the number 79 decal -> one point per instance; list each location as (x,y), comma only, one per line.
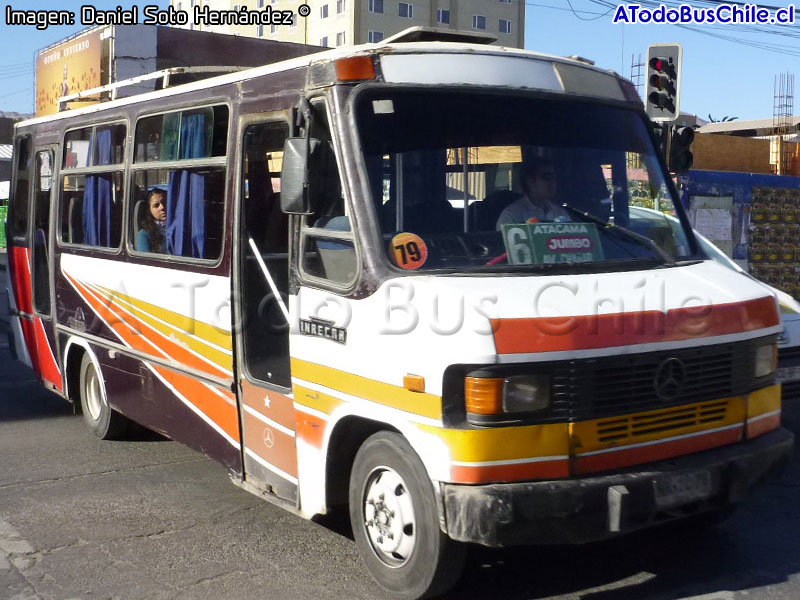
(408,251)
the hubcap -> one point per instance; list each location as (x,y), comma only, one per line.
(389,516)
(94,395)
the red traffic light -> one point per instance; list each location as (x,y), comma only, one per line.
(662,65)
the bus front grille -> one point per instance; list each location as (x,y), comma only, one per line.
(631,427)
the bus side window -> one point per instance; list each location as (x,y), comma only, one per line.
(265,242)
(90,203)
(179,209)
(18,212)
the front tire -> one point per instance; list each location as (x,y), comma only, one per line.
(98,415)
(395,521)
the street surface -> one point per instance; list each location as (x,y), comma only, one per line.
(149,519)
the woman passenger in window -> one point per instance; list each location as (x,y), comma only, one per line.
(153,224)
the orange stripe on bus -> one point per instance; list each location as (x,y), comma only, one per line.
(626,457)
(762,425)
(550,334)
(210,404)
(169,347)
(273,405)
(270,444)
(310,429)
(551,469)
(125,331)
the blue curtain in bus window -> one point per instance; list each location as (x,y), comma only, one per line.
(97,193)
(186,219)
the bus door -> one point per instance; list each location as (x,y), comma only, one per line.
(41,267)
(29,260)
(265,401)
(19,269)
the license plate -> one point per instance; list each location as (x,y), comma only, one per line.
(789,373)
(676,490)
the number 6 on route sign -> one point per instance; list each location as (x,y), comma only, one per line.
(551,243)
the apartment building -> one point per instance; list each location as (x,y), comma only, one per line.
(334,23)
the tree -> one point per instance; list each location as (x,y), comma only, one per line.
(722,120)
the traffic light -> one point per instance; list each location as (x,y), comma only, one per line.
(662,95)
(680,153)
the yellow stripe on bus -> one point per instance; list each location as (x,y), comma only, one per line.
(316,400)
(395,396)
(176,328)
(636,428)
(204,331)
(504,443)
(216,356)
(765,400)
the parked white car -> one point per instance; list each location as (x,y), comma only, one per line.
(789,340)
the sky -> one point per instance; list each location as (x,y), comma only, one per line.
(728,70)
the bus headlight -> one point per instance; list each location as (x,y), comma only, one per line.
(766,360)
(497,396)
(526,393)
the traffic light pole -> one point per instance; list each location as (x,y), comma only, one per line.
(662,104)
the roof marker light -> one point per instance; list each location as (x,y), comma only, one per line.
(355,68)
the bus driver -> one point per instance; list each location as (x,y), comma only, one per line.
(540,184)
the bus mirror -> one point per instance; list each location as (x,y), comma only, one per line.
(301,175)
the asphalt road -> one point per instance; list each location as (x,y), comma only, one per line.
(150,519)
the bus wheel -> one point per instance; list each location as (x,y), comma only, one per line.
(103,422)
(395,521)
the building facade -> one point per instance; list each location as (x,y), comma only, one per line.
(334,23)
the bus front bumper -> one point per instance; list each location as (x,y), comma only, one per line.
(588,509)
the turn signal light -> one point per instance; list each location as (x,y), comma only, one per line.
(414,383)
(483,395)
(355,68)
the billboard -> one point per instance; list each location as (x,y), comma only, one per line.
(87,60)
(66,68)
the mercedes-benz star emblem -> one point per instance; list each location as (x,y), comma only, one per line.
(670,379)
(269,439)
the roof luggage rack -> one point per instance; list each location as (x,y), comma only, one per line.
(93,94)
(437,34)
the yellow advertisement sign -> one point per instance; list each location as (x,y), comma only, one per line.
(70,67)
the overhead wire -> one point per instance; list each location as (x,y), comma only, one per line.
(14,93)
(595,18)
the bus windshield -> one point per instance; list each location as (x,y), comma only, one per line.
(465,180)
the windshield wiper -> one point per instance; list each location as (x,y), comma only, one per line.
(630,234)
